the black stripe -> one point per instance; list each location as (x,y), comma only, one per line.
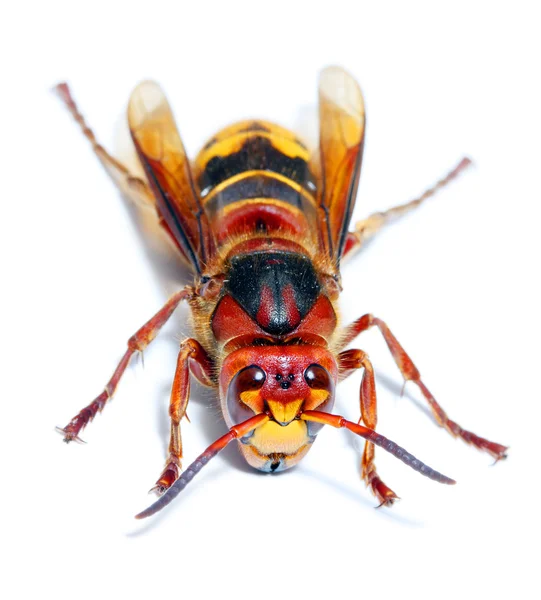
(256,154)
(255,186)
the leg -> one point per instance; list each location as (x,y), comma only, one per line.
(137,343)
(411,373)
(134,187)
(355,359)
(366,228)
(192,357)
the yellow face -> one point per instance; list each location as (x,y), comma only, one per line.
(274,447)
(283,383)
(273,438)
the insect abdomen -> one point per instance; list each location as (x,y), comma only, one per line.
(255,177)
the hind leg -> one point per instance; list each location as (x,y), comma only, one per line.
(134,187)
(368,227)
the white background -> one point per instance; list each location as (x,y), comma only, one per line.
(457,282)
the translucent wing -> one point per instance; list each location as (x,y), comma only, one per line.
(167,168)
(341,138)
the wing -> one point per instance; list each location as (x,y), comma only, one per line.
(341,140)
(166,165)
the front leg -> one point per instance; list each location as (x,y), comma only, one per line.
(191,357)
(356,359)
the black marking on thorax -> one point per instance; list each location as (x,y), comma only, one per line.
(277,289)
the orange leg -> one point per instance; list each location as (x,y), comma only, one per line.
(366,228)
(137,343)
(411,373)
(191,357)
(356,359)
(237,431)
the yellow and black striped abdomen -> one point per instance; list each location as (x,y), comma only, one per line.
(255,176)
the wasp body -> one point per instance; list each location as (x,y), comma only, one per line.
(264,224)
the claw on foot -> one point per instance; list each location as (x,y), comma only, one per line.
(170,474)
(501,454)
(497,451)
(383,493)
(388,502)
(69,436)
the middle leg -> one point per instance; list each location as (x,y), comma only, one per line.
(411,373)
(137,343)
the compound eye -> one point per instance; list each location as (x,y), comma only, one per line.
(318,378)
(322,395)
(243,399)
(250,378)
